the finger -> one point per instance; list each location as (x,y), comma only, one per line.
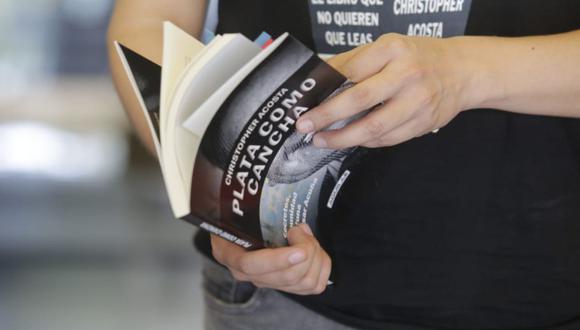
(282,279)
(371,60)
(308,283)
(358,98)
(285,278)
(371,127)
(324,275)
(297,236)
(223,250)
(268,260)
(271,260)
(301,234)
(339,60)
(255,262)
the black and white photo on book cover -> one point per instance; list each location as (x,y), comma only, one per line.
(254,175)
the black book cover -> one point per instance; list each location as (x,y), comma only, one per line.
(254,175)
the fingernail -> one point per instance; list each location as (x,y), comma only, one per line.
(307,229)
(296,257)
(319,142)
(305,126)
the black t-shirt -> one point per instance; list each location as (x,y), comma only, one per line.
(477,226)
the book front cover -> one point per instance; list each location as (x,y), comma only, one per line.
(255,176)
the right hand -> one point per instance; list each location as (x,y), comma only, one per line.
(301,268)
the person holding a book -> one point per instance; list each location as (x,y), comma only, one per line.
(463,214)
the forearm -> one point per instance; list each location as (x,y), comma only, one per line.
(138,25)
(532,75)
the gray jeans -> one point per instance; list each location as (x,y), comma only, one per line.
(232,305)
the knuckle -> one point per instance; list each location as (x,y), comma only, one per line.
(390,36)
(238,276)
(399,44)
(314,243)
(310,283)
(361,96)
(384,38)
(428,98)
(312,248)
(374,127)
(414,72)
(383,43)
(320,288)
(245,266)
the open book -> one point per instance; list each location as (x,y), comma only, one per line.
(223,116)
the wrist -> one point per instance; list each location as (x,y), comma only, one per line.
(471,65)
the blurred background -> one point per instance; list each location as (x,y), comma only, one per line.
(87,240)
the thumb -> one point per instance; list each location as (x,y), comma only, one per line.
(300,234)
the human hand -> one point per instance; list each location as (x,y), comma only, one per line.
(301,268)
(417,80)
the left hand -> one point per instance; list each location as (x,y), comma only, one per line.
(301,268)
(419,80)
